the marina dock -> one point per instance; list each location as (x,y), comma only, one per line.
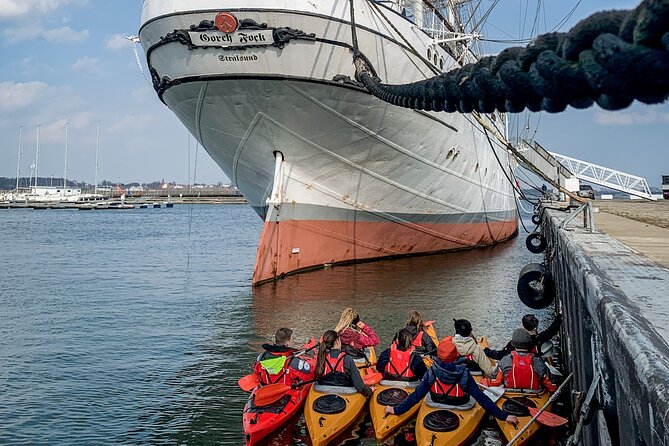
(616,333)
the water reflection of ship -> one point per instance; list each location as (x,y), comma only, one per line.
(442,287)
(337,175)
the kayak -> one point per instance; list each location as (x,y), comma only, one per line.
(390,393)
(260,421)
(366,365)
(330,410)
(432,333)
(530,399)
(440,424)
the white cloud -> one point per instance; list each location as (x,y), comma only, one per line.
(54,130)
(63,34)
(133,123)
(118,42)
(19,95)
(87,65)
(10,9)
(630,118)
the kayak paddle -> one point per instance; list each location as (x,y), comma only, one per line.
(546,418)
(371,379)
(248,382)
(270,393)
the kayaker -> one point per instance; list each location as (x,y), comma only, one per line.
(335,368)
(450,383)
(354,334)
(421,340)
(522,369)
(531,324)
(471,354)
(277,363)
(401,362)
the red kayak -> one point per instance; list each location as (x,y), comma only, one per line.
(260,421)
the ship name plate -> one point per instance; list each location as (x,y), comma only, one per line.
(236,39)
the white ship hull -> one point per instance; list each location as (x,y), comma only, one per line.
(360,179)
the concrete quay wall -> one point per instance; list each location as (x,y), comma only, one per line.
(615,304)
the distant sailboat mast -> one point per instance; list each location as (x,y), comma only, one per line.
(97,151)
(37,158)
(18,163)
(67,124)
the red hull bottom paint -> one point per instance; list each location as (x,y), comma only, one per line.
(291,246)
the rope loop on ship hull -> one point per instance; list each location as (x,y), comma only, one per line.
(610,58)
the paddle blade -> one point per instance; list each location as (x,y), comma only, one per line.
(371,379)
(548,418)
(270,393)
(248,382)
(431,332)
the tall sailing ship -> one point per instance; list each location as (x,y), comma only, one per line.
(268,88)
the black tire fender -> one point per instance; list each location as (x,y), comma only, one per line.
(536,287)
(536,219)
(535,242)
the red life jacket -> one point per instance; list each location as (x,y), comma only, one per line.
(272,378)
(522,374)
(334,364)
(418,340)
(451,390)
(399,363)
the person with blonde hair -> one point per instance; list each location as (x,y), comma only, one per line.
(354,334)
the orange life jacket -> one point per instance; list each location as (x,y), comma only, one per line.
(522,374)
(399,364)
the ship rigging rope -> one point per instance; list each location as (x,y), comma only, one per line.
(610,58)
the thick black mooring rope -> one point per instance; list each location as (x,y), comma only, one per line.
(610,58)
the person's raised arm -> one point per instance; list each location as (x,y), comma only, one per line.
(366,338)
(551,331)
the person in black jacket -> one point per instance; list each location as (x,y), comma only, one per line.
(401,362)
(531,324)
(421,340)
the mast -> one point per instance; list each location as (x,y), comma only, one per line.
(18,163)
(37,158)
(67,124)
(97,151)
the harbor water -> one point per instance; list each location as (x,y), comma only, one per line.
(133,327)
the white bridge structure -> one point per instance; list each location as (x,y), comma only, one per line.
(557,169)
(603,176)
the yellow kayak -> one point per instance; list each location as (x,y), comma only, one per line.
(535,400)
(390,393)
(432,333)
(329,410)
(441,425)
(363,365)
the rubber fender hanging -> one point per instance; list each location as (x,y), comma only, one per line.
(536,219)
(536,243)
(536,287)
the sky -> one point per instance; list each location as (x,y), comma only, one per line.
(67,61)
